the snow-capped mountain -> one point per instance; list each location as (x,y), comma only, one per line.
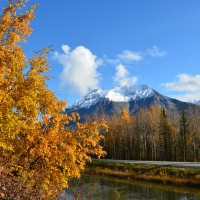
(130,97)
(125,93)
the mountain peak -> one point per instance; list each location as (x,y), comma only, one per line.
(117,94)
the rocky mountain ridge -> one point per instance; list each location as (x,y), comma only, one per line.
(130,97)
(117,94)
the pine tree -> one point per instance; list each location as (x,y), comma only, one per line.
(184,131)
(165,137)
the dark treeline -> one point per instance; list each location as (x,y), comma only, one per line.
(152,135)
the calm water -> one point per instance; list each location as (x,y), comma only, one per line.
(96,187)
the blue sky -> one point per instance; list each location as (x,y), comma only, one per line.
(102,44)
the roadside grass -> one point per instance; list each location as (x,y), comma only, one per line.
(150,173)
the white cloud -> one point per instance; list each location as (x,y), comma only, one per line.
(185,83)
(155,52)
(128,81)
(113,61)
(121,72)
(79,69)
(130,56)
(122,76)
(188,97)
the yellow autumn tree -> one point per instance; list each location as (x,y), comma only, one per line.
(126,133)
(36,144)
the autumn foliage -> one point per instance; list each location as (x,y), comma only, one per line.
(154,134)
(36,145)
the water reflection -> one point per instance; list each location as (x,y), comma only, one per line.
(96,187)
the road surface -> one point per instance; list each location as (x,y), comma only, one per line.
(160,163)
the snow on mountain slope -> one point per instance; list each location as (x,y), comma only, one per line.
(118,94)
(89,99)
(129,92)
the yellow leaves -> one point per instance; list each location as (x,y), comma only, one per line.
(34,137)
(14,27)
(125,117)
(14,38)
(44,150)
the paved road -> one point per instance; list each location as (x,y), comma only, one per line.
(161,163)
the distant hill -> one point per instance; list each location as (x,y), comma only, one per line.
(130,97)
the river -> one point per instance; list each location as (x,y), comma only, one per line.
(95,187)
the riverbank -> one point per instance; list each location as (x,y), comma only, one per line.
(147,172)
